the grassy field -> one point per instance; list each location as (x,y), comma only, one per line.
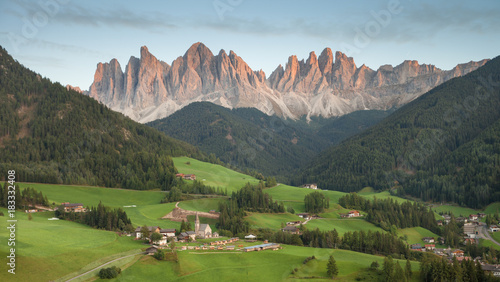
(270,220)
(415,235)
(90,196)
(342,225)
(47,250)
(203,205)
(212,174)
(291,193)
(253,266)
(381,195)
(455,210)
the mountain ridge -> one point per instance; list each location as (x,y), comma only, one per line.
(443,146)
(325,86)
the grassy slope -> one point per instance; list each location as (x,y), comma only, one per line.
(253,266)
(90,196)
(148,209)
(415,235)
(47,250)
(203,205)
(270,220)
(342,225)
(214,175)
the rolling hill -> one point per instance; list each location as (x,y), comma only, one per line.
(249,139)
(444,146)
(51,134)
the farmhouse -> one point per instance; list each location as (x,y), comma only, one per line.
(447,218)
(494,228)
(473,217)
(293,222)
(291,229)
(416,247)
(202,230)
(303,215)
(152,229)
(187,235)
(490,268)
(167,232)
(68,207)
(354,214)
(457,253)
(152,250)
(430,247)
(189,176)
(310,186)
(428,239)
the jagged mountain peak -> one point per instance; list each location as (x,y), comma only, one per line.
(328,85)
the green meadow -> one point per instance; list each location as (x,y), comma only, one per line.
(47,250)
(212,174)
(415,235)
(90,196)
(252,266)
(202,205)
(270,220)
(455,210)
(342,225)
(290,193)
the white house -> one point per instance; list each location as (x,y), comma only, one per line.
(494,228)
(167,233)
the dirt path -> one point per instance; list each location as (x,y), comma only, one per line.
(101,266)
(180,214)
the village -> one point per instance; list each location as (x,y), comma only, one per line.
(203,238)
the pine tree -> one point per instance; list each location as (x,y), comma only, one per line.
(332,269)
(388,268)
(408,272)
(399,274)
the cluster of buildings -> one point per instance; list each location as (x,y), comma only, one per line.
(468,219)
(201,230)
(76,207)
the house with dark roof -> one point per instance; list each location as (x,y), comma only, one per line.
(187,235)
(291,229)
(167,232)
(152,250)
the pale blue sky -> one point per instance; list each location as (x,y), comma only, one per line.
(65,39)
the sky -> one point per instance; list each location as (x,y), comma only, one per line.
(64,40)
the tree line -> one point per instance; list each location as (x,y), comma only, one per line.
(252,198)
(387,212)
(28,197)
(100,217)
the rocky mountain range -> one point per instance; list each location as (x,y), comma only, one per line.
(326,86)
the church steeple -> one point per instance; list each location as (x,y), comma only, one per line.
(197,224)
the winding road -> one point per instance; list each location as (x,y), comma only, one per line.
(486,235)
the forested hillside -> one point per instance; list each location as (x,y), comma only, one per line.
(249,139)
(245,138)
(53,135)
(445,146)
